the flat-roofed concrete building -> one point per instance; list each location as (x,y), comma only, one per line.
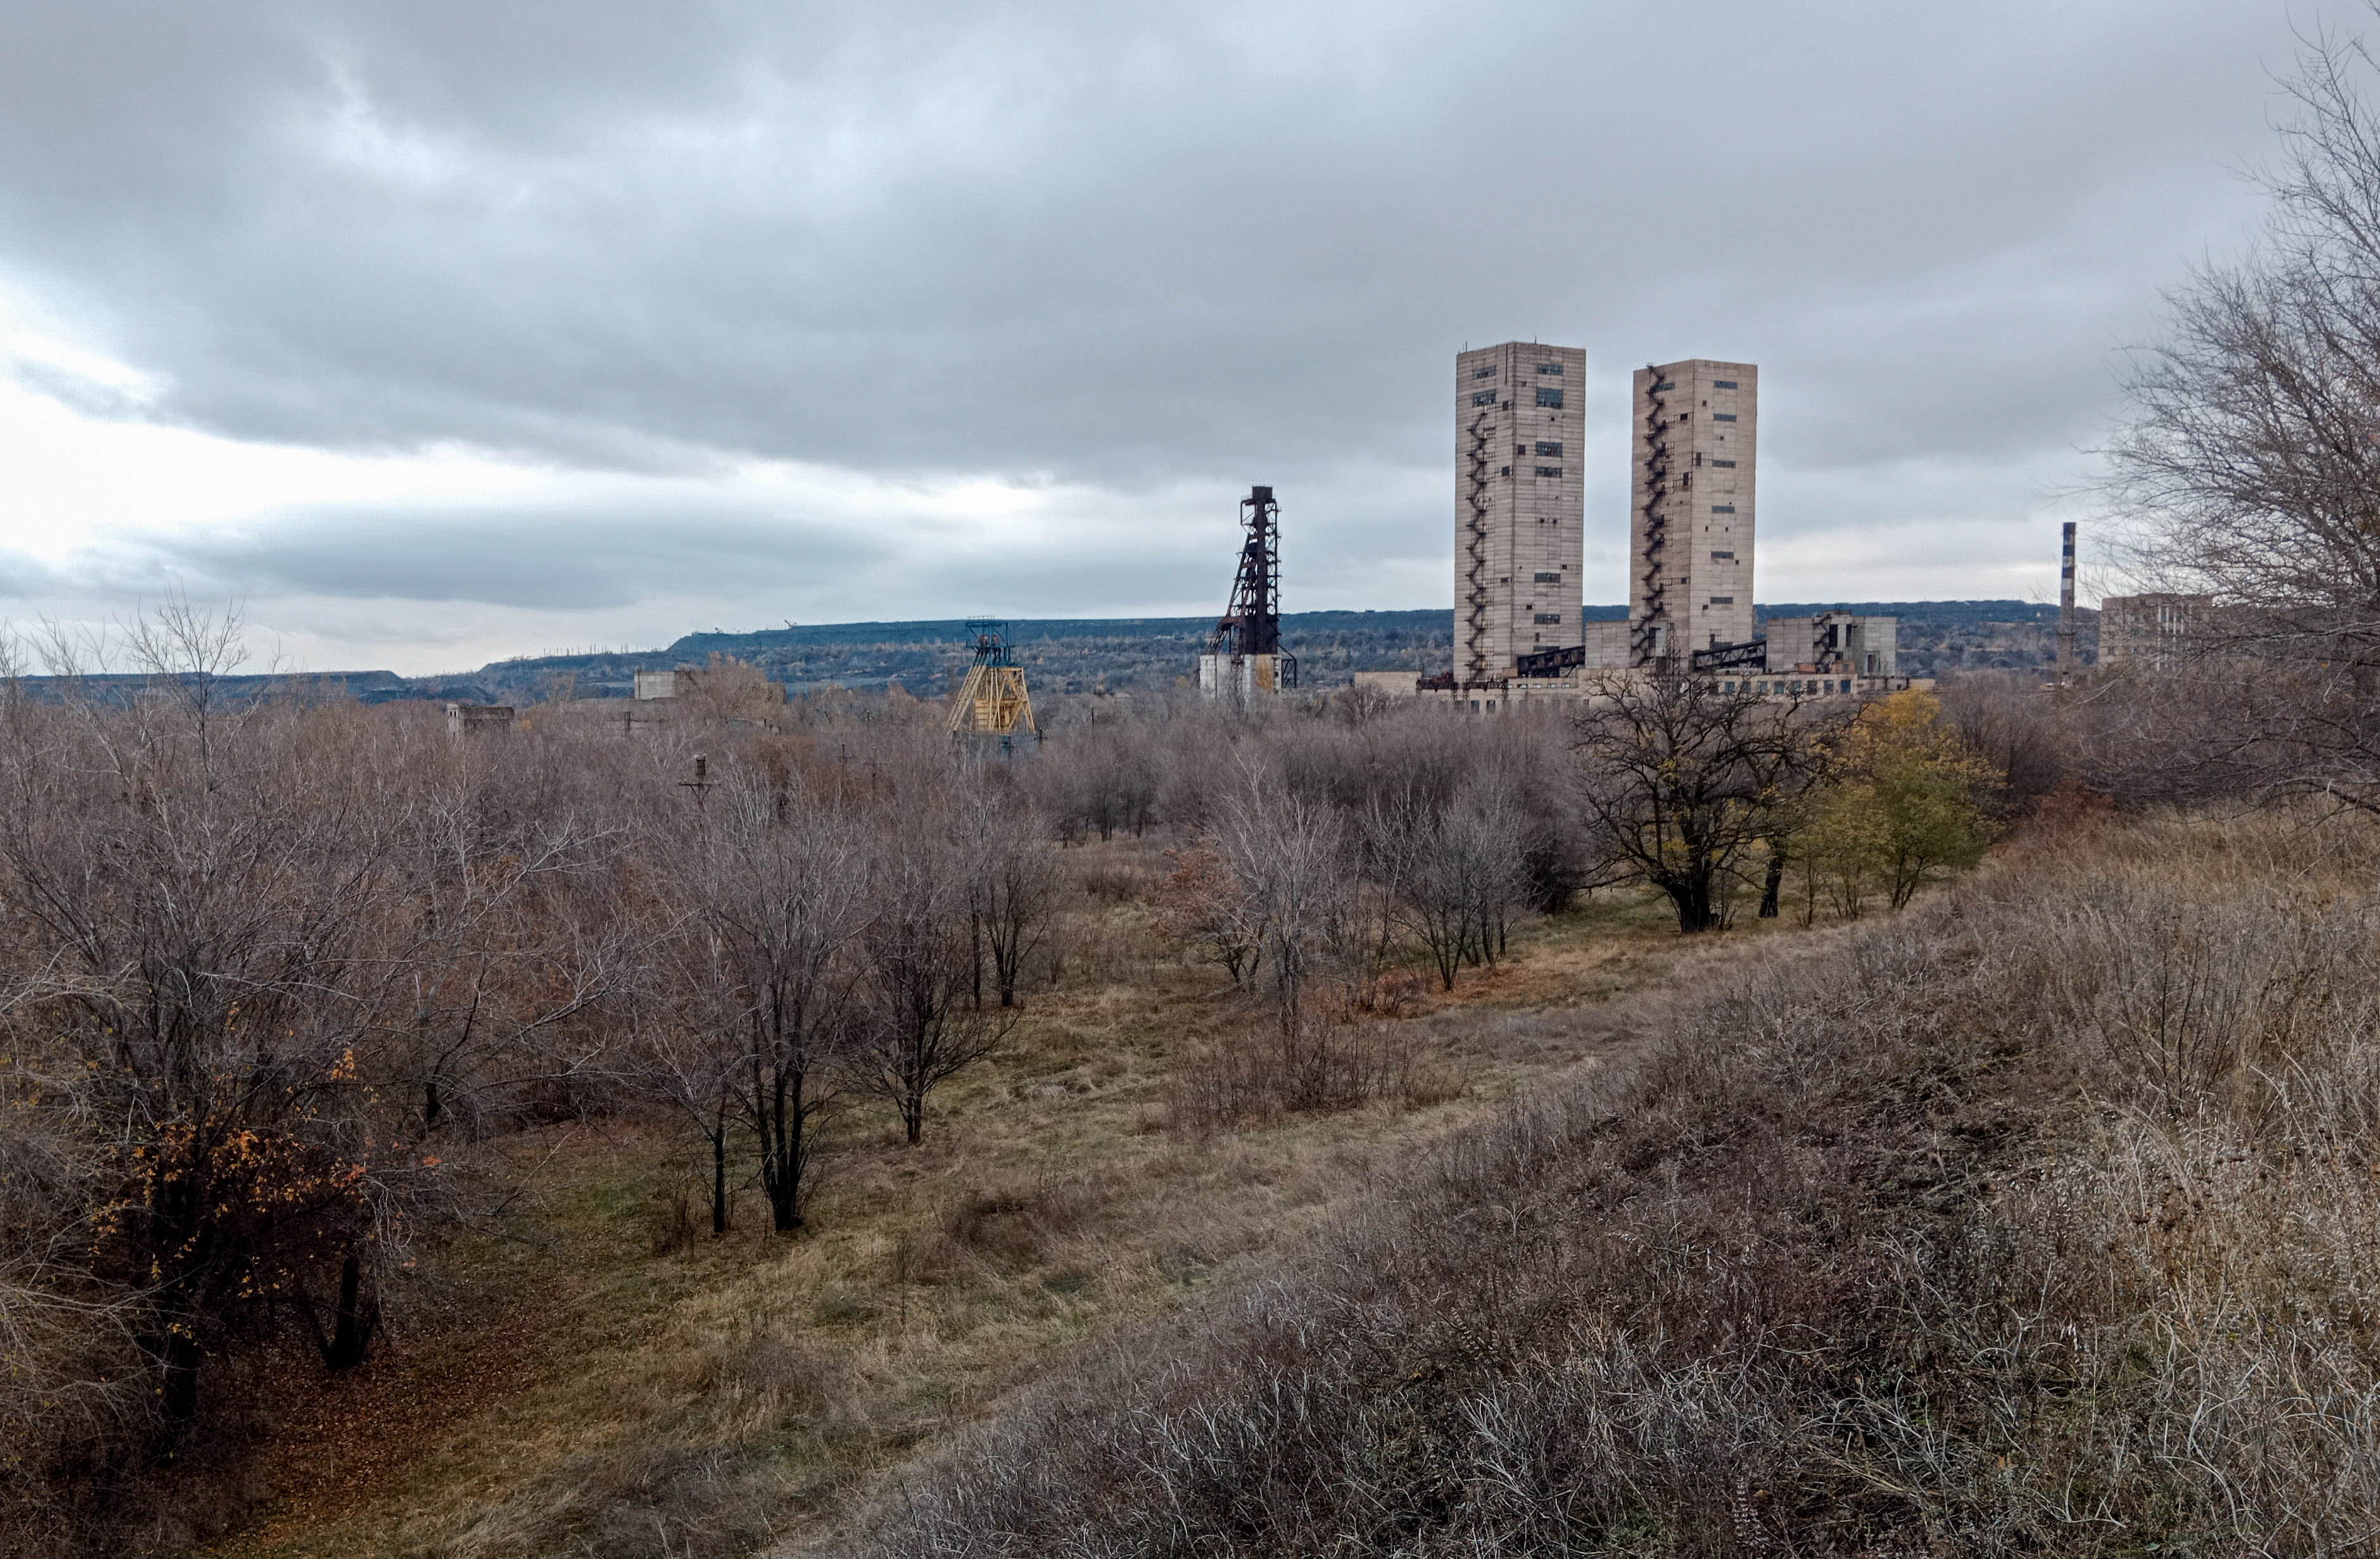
(2153,629)
(1519,504)
(1692,508)
(1840,641)
(477,719)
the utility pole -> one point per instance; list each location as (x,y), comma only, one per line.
(701,784)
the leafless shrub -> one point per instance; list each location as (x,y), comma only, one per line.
(1255,1071)
(672,1218)
(1113,879)
(1007,1230)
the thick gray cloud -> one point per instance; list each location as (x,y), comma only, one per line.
(1145,249)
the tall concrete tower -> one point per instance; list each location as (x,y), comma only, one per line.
(1689,527)
(1520,501)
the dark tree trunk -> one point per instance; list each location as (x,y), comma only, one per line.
(719,1178)
(781,1109)
(1774,886)
(356,1319)
(1693,898)
(783,1153)
(181,1230)
(178,1387)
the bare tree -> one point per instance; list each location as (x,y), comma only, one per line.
(1393,833)
(1012,886)
(694,1052)
(1206,906)
(791,897)
(918,1028)
(512,936)
(1683,781)
(188,650)
(1291,866)
(2250,463)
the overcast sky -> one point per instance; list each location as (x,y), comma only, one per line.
(437,331)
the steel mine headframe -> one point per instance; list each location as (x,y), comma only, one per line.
(1252,626)
(992,700)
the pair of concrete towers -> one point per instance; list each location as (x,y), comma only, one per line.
(1521,513)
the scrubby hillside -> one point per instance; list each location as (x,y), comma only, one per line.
(2038,1221)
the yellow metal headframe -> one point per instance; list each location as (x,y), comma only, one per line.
(992,701)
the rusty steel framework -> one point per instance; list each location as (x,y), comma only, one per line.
(1644,638)
(1550,662)
(1752,656)
(992,700)
(1474,554)
(1252,626)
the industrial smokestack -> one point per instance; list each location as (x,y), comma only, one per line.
(2066,607)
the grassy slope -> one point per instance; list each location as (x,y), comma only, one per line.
(563,1388)
(2045,1219)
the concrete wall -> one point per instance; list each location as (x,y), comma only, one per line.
(1606,646)
(1240,677)
(659,684)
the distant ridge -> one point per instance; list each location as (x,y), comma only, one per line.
(1106,654)
(1121,653)
(1028,629)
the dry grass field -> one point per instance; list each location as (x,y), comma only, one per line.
(2036,1220)
(589,1371)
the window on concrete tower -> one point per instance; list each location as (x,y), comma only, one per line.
(1488,371)
(1548,447)
(1722,384)
(1549,578)
(1722,417)
(1549,367)
(1549,617)
(1549,470)
(1548,395)
(1484,398)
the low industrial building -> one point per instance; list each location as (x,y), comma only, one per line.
(478,719)
(731,691)
(2155,629)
